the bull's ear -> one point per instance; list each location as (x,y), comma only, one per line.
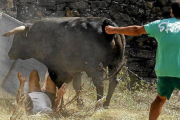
(107,22)
(27,29)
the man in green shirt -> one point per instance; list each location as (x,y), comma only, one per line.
(167,34)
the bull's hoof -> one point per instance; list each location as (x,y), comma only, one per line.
(80,104)
(99,103)
(106,107)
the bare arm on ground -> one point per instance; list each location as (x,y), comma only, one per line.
(22,81)
(60,92)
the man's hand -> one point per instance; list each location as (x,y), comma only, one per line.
(110,30)
(61,91)
(20,93)
(21,78)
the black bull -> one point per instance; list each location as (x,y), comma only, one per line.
(68,46)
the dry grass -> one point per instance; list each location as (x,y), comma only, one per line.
(126,104)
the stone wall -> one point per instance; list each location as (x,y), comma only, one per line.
(140,51)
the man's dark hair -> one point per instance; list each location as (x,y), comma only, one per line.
(28,104)
(176,8)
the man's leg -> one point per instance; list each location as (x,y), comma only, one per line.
(49,88)
(34,85)
(156,107)
(165,87)
(48,85)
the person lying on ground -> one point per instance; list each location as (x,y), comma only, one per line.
(45,99)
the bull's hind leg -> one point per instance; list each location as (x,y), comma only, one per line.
(97,80)
(77,81)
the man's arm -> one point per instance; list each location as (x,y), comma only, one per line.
(22,81)
(129,30)
(60,92)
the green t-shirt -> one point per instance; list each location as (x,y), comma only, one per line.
(167,34)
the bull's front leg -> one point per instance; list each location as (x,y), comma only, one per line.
(112,85)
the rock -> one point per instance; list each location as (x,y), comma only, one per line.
(156,9)
(145,54)
(26,11)
(122,17)
(61,7)
(44,11)
(72,13)
(140,53)
(153,74)
(29,1)
(134,1)
(150,63)
(147,13)
(163,2)
(98,4)
(166,10)
(58,14)
(108,1)
(132,10)
(134,67)
(66,1)
(79,5)
(16,2)
(150,4)
(119,1)
(143,74)
(115,8)
(131,60)
(140,39)
(6,4)
(46,2)
(86,15)
(84,11)
(103,15)
(3,4)
(151,80)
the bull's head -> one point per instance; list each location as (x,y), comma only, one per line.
(20,43)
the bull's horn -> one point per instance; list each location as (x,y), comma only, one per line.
(15,30)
